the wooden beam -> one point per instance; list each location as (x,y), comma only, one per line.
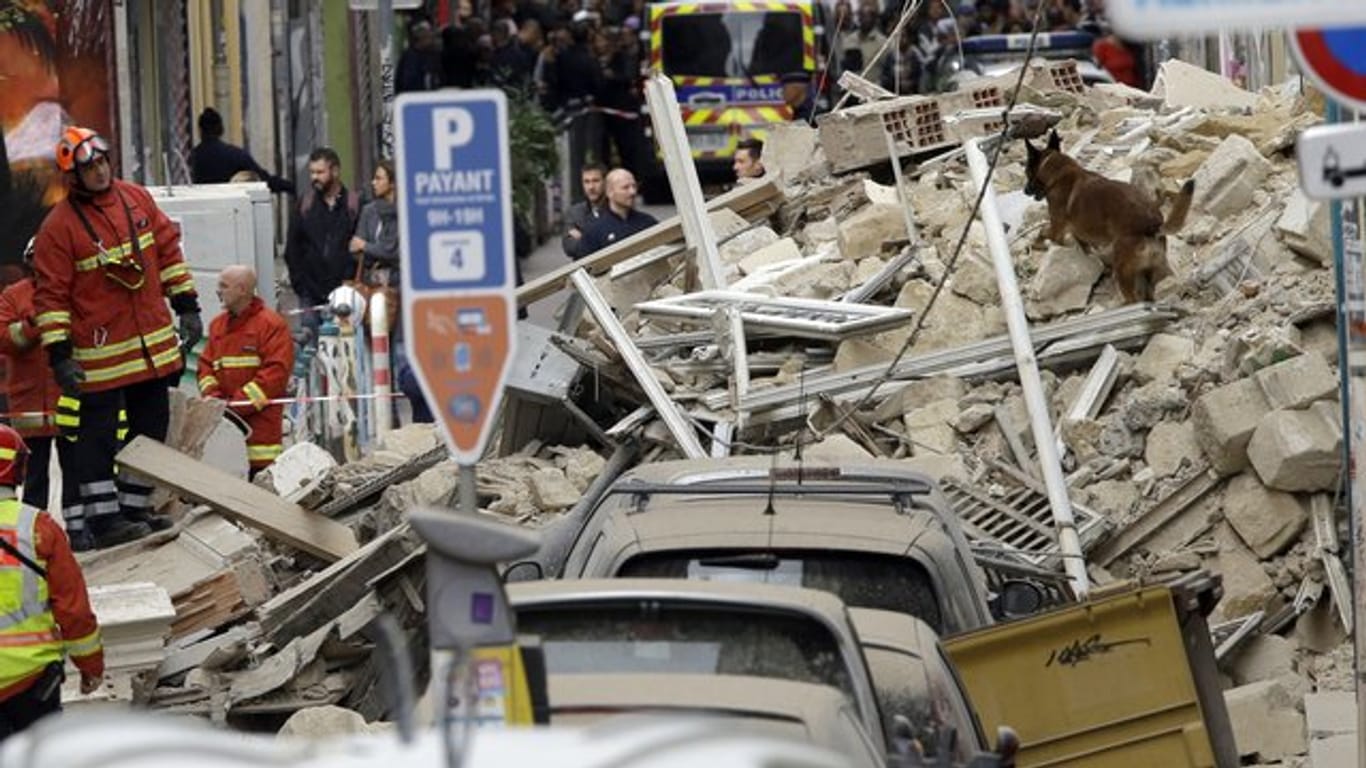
(742,199)
(238,499)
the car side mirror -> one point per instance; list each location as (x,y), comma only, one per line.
(1020,598)
(1007,746)
(525,570)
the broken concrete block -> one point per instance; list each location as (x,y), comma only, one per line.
(952,321)
(1118,441)
(826,230)
(1258,347)
(299,465)
(1265,657)
(581,465)
(1225,419)
(919,392)
(1180,84)
(784,249)
(1228,179)
(1176,562)
(930,427)
(410,440)
(1265,720)
(1319,629)
(1247,588)
(976,280)
(1169,444)
(973,418)
(1297,382)
(1063,282)
(323,723)
(814,279)
(552,490)
(858,353)
(1329,713)
(1333,751)
(746,243)
(1083,438)
(1296,451)
(1268,521)
(866,270)
(863,234)
(1304,227)
(790,150)
(836,448)
(1162,356)
(1115,499)
(1151,403)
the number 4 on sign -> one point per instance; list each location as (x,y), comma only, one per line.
(458,257)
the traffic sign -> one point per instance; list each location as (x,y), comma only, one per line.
(1155,19)
(455,242)
(1332,160)
(1335,59)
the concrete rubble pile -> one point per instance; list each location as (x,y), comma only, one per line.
(224,618)
(1202,431)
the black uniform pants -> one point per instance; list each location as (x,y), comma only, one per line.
(41,699)
(36,478)
(148,404)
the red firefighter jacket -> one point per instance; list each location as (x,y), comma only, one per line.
(32,390)
(250,358)
(107,294)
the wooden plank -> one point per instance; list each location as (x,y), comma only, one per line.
(740,199)
(238,499)
(334,590)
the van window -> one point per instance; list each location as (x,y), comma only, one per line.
(737,45)
(926,694)
(861,580)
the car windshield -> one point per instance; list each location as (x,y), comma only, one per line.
(650,637)
(738,44)
(926,694)
(861,580)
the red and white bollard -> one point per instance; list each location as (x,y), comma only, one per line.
(379,353)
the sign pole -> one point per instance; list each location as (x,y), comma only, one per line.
(469,492)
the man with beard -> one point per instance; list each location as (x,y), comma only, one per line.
(318,252)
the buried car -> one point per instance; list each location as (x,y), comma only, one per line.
(876,534)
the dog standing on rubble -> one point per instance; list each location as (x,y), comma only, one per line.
(1103,213)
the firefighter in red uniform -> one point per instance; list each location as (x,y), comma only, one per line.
(45,612)
(39,412)
(248,359)
(107,260)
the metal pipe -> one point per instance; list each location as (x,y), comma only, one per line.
(379,357)
(1069,543)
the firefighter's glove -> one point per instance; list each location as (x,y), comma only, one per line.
(69,376)
(191,330)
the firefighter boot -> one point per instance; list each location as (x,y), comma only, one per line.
(81,540)
(109,530)
(153,521)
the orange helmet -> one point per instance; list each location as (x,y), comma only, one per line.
(13,457)
(79,146)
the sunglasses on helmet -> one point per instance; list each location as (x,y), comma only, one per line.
(89,149)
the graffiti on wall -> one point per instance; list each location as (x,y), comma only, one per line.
(55,64)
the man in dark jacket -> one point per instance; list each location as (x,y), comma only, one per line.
(320,230)
(619,219)
(215,161)
(419,68)
(583,213)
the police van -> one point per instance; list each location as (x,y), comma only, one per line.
(726,61)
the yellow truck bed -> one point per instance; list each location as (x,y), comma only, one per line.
(1124,679)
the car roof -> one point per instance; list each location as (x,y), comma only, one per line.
(893,629)
(771,596)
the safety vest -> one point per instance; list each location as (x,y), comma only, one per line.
(29,637)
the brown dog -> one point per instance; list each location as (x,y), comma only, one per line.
(1103,213)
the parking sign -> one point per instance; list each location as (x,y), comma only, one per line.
(455,241)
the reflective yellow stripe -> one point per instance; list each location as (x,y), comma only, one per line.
(84,646)
(31,422)
(63,420)
(54,317)
(207,383)
(175,270)
(52,337)
(255,394)
(122,432)
(166,358)
(8,453)
(237,361)
(71,403)
(16,333)
(264,451)
(97,375)
(179,288)
(123,347)
(85,265)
